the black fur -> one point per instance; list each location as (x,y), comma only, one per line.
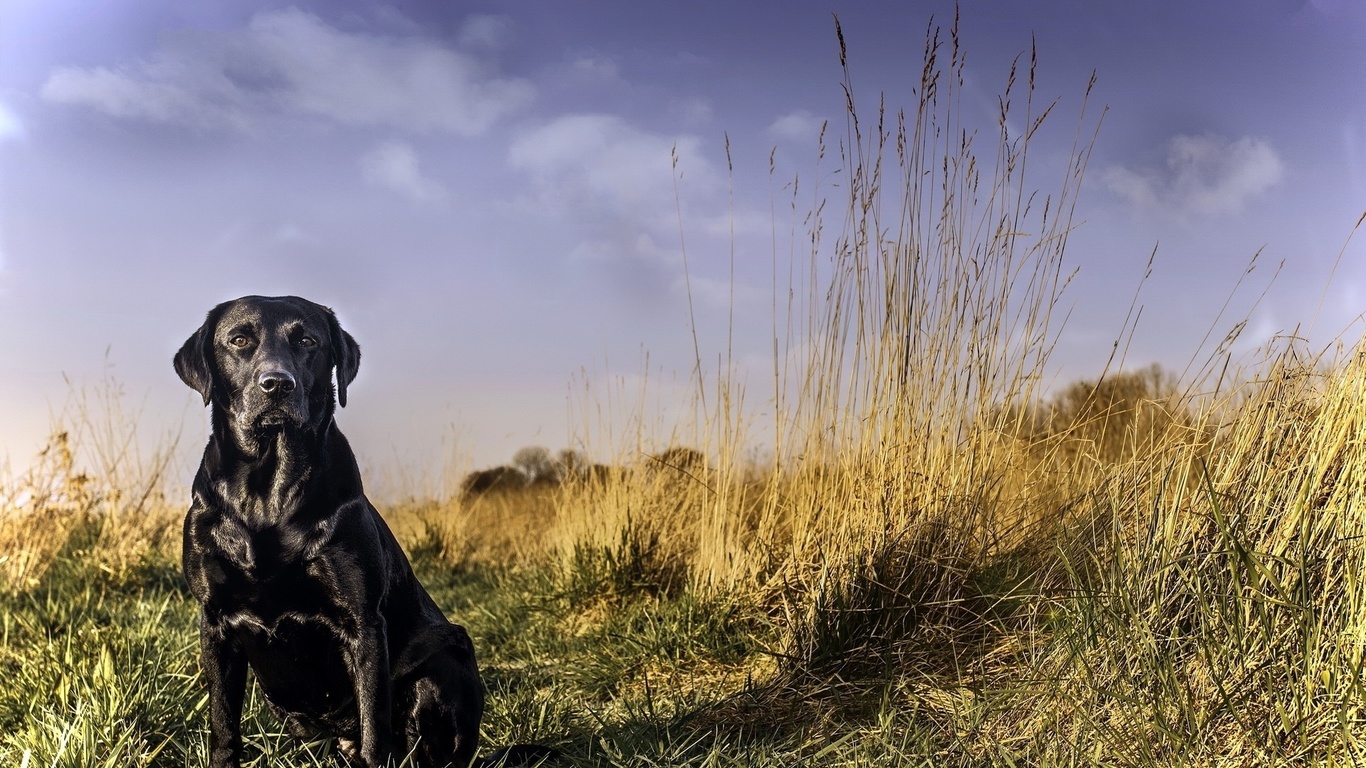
(297,575)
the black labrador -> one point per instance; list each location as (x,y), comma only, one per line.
(297,575)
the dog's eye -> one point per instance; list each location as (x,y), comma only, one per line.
(307,341)
(239,341)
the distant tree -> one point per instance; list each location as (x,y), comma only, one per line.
(536,463)
(1117,413)
(571,463)
(603,474)
(680,459)
(493,479)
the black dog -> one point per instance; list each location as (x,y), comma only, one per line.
(297,575)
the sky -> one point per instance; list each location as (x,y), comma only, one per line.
(509,203)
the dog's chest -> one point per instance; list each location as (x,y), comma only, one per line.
(269,570)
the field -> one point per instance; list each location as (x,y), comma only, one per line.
(935,563)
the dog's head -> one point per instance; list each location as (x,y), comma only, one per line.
(266,363)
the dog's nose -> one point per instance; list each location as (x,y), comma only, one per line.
(276,382)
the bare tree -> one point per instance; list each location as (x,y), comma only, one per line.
(536,462)
(571,463)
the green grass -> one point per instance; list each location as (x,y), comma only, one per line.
(102,671)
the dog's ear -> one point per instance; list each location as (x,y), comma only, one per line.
(345,355)
(194,362)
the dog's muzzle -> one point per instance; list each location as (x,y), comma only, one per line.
(275,401)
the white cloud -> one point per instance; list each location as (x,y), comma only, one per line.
(290,63)
(693,111)
(799,125)
(10,125)
(486,31)
(1258,333)
(742,221)
(642,248)
(1203,175)
(594,67)
(604,162)
(393,165)
(610,185)
(719,292)
(292,234)
(162,92)
(10,129)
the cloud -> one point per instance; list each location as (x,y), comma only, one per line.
(292,64)
(10,125)
(1203,175)
(10,129)
(714,293)
(486,31)
(602,162)
(641,248)
(1262,332)
(799,125)
(611,185)
(393,165)
(595,67)
(693,111)
(163,92)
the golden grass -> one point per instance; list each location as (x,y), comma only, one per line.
(39,512)
(491,529)
(117,497)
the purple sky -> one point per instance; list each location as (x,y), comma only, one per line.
(483,190)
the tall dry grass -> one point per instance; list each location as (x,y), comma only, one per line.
(907,338)
(111,501)
(1151,571)
(1213,603)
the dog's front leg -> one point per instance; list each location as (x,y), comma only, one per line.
(368,658)
(225,673)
